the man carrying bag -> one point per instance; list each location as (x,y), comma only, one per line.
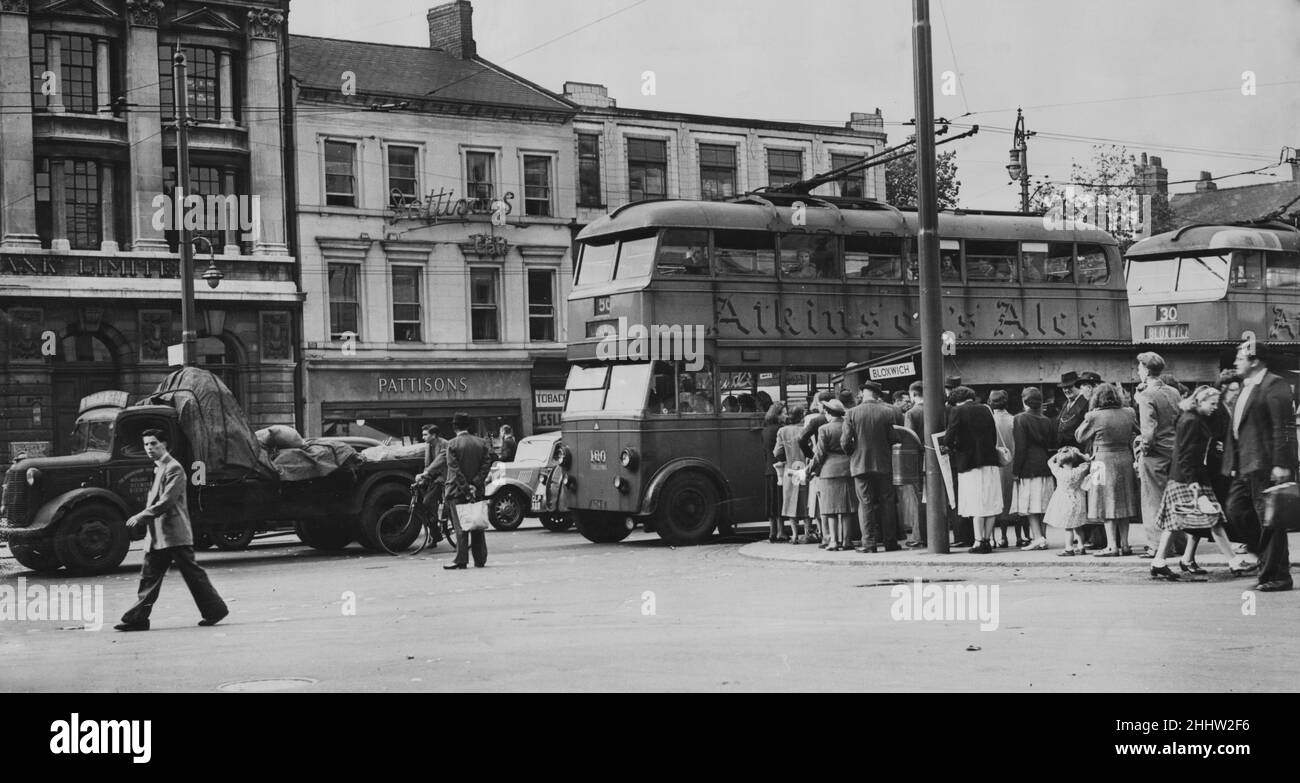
(468,460)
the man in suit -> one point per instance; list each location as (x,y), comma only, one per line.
(867,438)
(435,472)
(1260,450)
(909,495)
(1158,412)
(1072,412)
(468,460)
(963,528)
(171,539)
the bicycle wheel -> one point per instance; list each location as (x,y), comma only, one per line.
(401,530)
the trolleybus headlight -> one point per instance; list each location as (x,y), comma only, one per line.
(621,484)
(628,458)
(33,476)
(571,483)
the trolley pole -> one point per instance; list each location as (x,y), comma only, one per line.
(928,245)
(189,335)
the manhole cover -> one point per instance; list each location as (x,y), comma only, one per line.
(270,684)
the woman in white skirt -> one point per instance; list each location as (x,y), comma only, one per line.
(971,442)
(1034,436)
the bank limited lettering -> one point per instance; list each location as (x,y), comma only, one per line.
(424,384)
(998,319)
(47,266)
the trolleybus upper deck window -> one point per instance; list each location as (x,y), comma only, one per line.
(1047,262)
(596,264)
(745,253)
(683,252)
(1283,271)
(875,258)
(809,257)
(990,261)
(1247,270)
(1093,267)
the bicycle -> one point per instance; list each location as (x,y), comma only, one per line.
(410,529)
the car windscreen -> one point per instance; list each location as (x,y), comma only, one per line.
(534,449)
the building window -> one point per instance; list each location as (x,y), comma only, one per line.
(340,174)
(81,199)
(647,169)
(537,185)
(589,170)
(717,171)
(851,185)
(541,305)
(345,303)
(77,78)
(403,181)
(202,81)
(484,321)
(480,175)
(784,167)
(406,304)
(204,181)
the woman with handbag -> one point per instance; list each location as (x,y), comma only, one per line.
(1005,424)
(836,496)
(1113,495)
(1188,503)
(790,466)
(1034,437)
(971,441)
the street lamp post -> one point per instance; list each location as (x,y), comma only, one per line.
(189,337)
(1018,167)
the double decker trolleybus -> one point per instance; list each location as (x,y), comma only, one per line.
(1200,291)
(686,316)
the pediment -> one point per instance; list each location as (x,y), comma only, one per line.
(83,8)
(207,19)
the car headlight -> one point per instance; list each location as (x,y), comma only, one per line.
(33,476)
(629,458)
(495,472)
(562,456)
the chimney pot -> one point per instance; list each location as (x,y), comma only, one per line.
(451,29)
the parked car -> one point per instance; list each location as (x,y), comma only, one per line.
(528,486)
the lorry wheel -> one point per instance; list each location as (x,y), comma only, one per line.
(688,509)
(602,528)
(38,557)
(506,509)
(325,536)
(231,540)
(378,502)
(557,523)
(92,539)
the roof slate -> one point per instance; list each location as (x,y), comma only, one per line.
(1230,204)
(415,72)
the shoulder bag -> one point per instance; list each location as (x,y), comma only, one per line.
(472,516)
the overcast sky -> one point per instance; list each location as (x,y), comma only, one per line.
(1159,76)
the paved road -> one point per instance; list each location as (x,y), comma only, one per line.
(553,612)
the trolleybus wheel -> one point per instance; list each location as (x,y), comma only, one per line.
(38,557)
(688,509)
(602,528)
(556,523)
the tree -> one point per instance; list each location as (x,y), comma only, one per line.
(900,180)
(1104,194)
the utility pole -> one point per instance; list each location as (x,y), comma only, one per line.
(928,245)
(180,90)
(1018,168)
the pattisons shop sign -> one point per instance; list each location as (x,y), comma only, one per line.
(425,384)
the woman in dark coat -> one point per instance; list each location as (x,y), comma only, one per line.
(836,498)
(1035,438)
(771,482)
(1188,502)
(971,440)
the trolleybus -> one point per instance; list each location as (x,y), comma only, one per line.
(687,316)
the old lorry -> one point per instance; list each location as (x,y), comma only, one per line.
(71,510)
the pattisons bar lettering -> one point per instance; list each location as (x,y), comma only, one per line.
(423,384)
(82,266)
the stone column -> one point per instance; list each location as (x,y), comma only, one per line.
(108,208)
(144,123)
(54,62)
(17,154)
(229,186)
(59,206)
(102,71)
(263,84)
(225,88)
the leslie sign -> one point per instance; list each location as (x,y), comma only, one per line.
(902,370)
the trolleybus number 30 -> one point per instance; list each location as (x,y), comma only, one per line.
(1166,313)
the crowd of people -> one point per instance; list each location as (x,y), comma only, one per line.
(1184,464)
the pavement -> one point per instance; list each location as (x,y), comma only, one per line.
(1207,555)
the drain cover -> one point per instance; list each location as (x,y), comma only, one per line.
(270,684)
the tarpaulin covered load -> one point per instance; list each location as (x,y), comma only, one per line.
(315,459)
(219,433)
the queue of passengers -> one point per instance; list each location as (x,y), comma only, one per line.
(1184,464)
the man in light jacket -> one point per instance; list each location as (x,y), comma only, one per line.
(1158,412)
(171,539)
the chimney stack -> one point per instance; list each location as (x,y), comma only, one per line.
(1152,178)
(1205,184)
(865,121)
(584,94)
(451,29)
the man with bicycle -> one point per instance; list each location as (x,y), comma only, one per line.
(434,475)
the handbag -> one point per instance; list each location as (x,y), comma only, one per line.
(472,516)
(1282,507)
(1004,453)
